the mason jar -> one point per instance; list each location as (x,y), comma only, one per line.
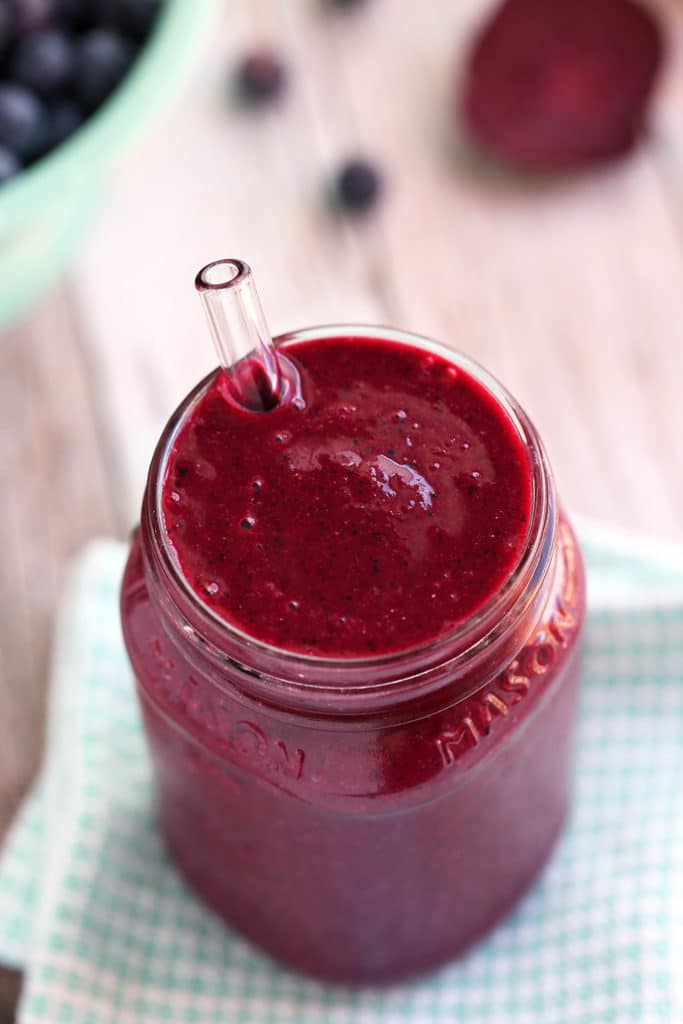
(362,819)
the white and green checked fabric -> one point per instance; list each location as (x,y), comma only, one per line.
(91,907)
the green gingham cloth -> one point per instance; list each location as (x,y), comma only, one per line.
(93,911)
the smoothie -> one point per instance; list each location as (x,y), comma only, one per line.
(354,622)
(375,510)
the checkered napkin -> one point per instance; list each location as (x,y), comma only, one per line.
(92,910)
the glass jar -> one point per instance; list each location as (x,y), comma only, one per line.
(362,819)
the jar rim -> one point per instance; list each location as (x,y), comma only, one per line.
(228,643)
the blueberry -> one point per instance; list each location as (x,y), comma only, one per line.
(138,16)
(132,17)
(261,77)
(73,14)
(85,14)
(103,58)
(344,4)
(65,117)
(44,61)
(5,27)
(9,164)
(105,13)
(358,185)
(31,15)
(23,120)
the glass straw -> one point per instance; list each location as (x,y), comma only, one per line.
(240,334)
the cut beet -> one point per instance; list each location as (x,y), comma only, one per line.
(556,84)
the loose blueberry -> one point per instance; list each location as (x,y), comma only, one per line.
(44,61)
(65,117)
(23,120)
(9,164)
(358,186)
(103,58)
(347,3)
(261,77)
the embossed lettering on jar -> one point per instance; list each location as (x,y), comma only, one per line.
(361,787)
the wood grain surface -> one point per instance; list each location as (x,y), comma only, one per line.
(570,291)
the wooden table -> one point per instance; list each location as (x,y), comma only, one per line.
(571,291)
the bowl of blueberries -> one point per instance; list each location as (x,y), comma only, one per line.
(77,77)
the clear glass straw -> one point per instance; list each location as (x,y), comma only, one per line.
(240,334)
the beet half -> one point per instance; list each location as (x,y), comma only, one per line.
(558,84)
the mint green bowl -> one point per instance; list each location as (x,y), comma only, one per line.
(45,210)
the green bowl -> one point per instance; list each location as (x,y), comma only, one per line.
(45,210)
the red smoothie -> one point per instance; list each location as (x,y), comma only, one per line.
(354,624)
(372,514)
